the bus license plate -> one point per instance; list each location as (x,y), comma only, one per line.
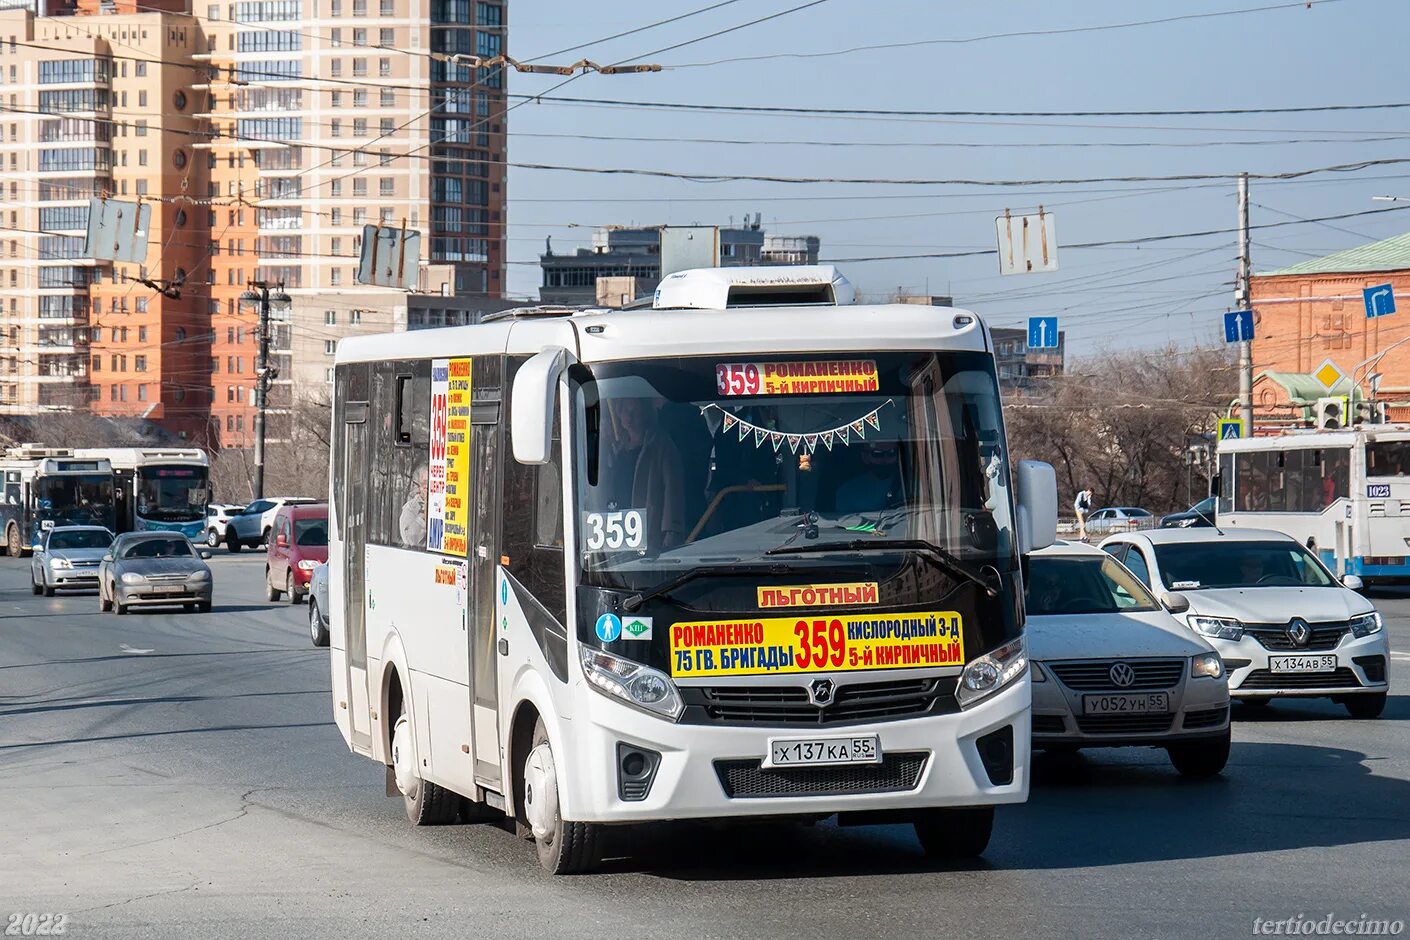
(1302,663)
(1150,702)
(798,752)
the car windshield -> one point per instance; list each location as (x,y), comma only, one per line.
(158,548)
(172,493)
(1223,563)
(311,532)
(689,462)
(79,538)
(1077,584)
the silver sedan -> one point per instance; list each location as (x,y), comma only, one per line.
(68,557)
(154,568)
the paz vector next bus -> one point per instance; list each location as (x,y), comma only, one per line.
(753,551)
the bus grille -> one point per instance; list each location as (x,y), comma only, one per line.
(1342,678)
(1325,636)
(789,704)
(1095,675)
(747,779)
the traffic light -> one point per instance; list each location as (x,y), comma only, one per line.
(1330,414)
(1368,412)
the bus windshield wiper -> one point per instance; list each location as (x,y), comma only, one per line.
(940,557)
(633,602)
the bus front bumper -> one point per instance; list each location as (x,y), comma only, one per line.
(712,771)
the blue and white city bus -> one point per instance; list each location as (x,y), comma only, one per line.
(1345,494)
(42,487)
(158,488)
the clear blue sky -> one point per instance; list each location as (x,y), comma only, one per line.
(1337,52)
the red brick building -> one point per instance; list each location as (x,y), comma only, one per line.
(1313,312)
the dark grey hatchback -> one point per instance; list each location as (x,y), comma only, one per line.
(154,568)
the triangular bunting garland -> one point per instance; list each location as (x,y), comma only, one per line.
(759,435)
(808,441)
(793,441)
(842,436)
(860,428)
(874,419)
(811,440)
(827,439)
(777,439)
(729,421)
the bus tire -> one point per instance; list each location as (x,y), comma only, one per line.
(426,803)
(564,848)
(955,833)
(271,593)
(12,541)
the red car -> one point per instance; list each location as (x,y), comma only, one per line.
(298,544)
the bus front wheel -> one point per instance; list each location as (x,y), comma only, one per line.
(955,833)
(564,848)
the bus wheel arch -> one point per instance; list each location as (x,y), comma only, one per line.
(426,803)
(563,847)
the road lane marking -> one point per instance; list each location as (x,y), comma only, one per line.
(134,652)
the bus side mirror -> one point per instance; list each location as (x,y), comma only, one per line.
(531,405)
(1036,489)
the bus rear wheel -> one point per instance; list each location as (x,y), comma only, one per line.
(955,833)
(12,541)
(426,803)
(564,848)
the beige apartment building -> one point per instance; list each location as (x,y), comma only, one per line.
(266,133)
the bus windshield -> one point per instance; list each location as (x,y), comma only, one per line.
(171,493)
(75,499)
(705,462)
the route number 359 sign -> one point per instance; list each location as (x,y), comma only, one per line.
(614,531)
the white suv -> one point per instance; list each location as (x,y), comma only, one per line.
(1283,623)
(250,527)
(217,519)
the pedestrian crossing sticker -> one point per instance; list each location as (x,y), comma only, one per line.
(1231,429)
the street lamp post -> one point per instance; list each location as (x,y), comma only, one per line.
(265,297)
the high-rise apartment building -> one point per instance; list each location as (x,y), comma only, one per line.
(331,115)
(265,133)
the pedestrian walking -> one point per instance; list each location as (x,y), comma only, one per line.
(1083,506)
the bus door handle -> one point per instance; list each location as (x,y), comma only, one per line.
(503,646)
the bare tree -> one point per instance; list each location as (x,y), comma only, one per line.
(1121,423)
(296,459)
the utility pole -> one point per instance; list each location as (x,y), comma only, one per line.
(1241,302)
(265,297)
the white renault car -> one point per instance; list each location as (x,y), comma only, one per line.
(1283,623)
(1112,667)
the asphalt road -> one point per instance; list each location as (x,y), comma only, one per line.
(178,775)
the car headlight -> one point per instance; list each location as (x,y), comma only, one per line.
(639,686)
(132,577)
(1207,664)
(199,575)
(1221,628)
(60,563)
(1366,624)
(991,672)
(308,564)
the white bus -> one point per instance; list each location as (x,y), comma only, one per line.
(1345,494)
(163,488)
(752,552)
(45,487)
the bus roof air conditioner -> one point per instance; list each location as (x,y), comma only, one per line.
(783,285)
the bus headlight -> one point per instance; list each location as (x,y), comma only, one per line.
(637,685)
(60,563)
(133,578)
(991,672)
(1207,664)
(1218,627)
(1366,624)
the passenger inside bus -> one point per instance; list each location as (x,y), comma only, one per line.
(877,486)
(411,524)
(646,469)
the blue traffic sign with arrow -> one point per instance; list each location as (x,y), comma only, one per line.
(1238,326)
(1380,300)
(1042,332)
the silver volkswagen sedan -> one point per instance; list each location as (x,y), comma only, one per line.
(1112,667)
(68,557)
(154,568)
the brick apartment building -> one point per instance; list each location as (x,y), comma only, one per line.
(1313,311)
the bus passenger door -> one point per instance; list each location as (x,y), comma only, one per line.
(484,562)
(354,536)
